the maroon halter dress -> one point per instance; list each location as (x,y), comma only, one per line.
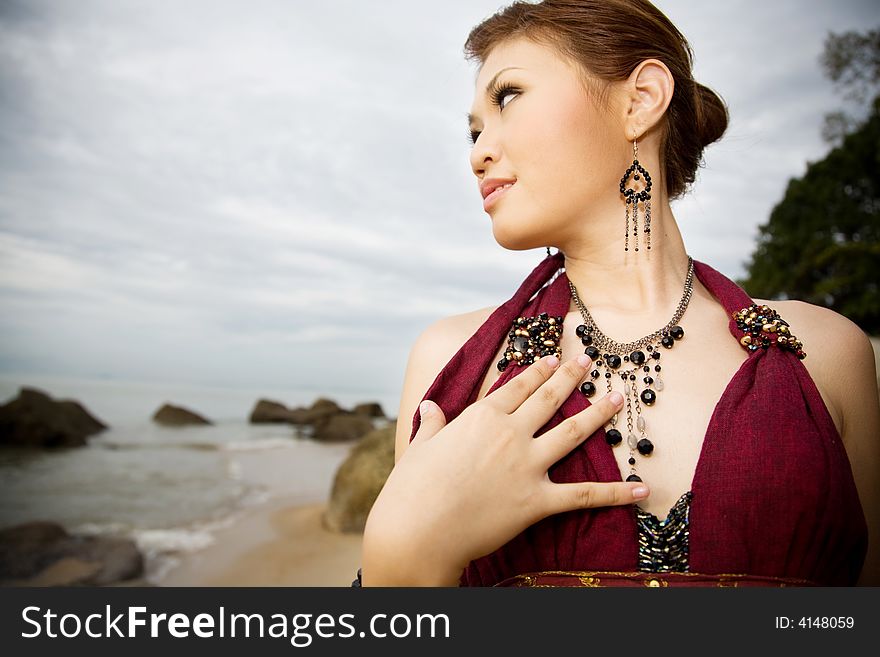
(773,498)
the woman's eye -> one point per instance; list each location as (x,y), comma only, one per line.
(504,93)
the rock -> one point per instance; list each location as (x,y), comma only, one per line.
(267,411)
(359,480)
(44,554)
(371,409)
(321,410)
(339,428)
(176,416)
(34,419)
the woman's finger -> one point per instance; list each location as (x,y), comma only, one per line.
(432,419)
(546,400)
(554,444)
(592,494)
(513,393)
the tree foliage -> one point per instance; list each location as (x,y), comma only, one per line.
(822,241)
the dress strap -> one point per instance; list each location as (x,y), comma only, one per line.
(729,294)
(459,381)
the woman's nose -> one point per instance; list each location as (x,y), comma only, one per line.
(484,153)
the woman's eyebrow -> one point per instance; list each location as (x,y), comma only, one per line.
(472,117)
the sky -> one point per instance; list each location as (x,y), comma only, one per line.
(277,193)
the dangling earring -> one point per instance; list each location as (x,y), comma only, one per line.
(633,197)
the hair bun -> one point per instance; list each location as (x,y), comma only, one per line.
(712,116)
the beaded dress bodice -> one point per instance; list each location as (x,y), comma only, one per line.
(780,510)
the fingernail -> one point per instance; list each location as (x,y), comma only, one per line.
(424,408)
(639,492)
(552,361)
(615,398)
(584,360)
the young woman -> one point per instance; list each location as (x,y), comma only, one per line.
(630,416)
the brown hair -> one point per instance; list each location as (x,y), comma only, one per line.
(608,39)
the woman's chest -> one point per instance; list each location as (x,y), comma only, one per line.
(694,375)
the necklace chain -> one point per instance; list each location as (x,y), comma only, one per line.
(606,344)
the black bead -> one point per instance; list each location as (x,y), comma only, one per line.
(656,355)
(676,332)
(632,377)
(634,477)
(599,362)
(592,352)
(657,368)
(631,461)
(588,388)
(647,368)
(580,330)
(613,437)
(607,375)
(637,177)
(645,447)
(648,396)
(586,339)
(595,374)
(613,361)
(637,357)
(503,363)
(667,341)
(543,316)
(648,380)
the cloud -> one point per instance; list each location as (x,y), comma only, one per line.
(280,193)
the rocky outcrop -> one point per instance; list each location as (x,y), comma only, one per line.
(177,416)
(269,412)
(34,419)
(359,480)
(327,420)
(338,428)
(44,554)
(370,409)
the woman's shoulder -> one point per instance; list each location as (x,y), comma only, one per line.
(433,348)
(840,356)
(439,342)
(453,330)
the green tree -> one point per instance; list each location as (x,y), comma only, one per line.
(822,241)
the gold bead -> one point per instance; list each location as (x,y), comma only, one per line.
(746,340)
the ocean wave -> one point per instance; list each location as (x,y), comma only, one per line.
(256,444)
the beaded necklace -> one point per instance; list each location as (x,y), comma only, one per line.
(610,356)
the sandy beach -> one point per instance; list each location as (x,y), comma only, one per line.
(279,544)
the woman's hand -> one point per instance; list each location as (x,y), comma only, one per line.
(462,490)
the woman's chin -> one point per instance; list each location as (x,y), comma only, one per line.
(516,240)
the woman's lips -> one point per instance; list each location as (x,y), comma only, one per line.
(492,198)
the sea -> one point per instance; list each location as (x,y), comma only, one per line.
(168,489)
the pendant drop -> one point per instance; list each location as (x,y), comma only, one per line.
(613,437)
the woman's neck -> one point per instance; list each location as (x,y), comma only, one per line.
(633,288)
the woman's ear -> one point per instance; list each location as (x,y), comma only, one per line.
(649,91)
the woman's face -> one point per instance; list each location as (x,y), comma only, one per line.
(547,134)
